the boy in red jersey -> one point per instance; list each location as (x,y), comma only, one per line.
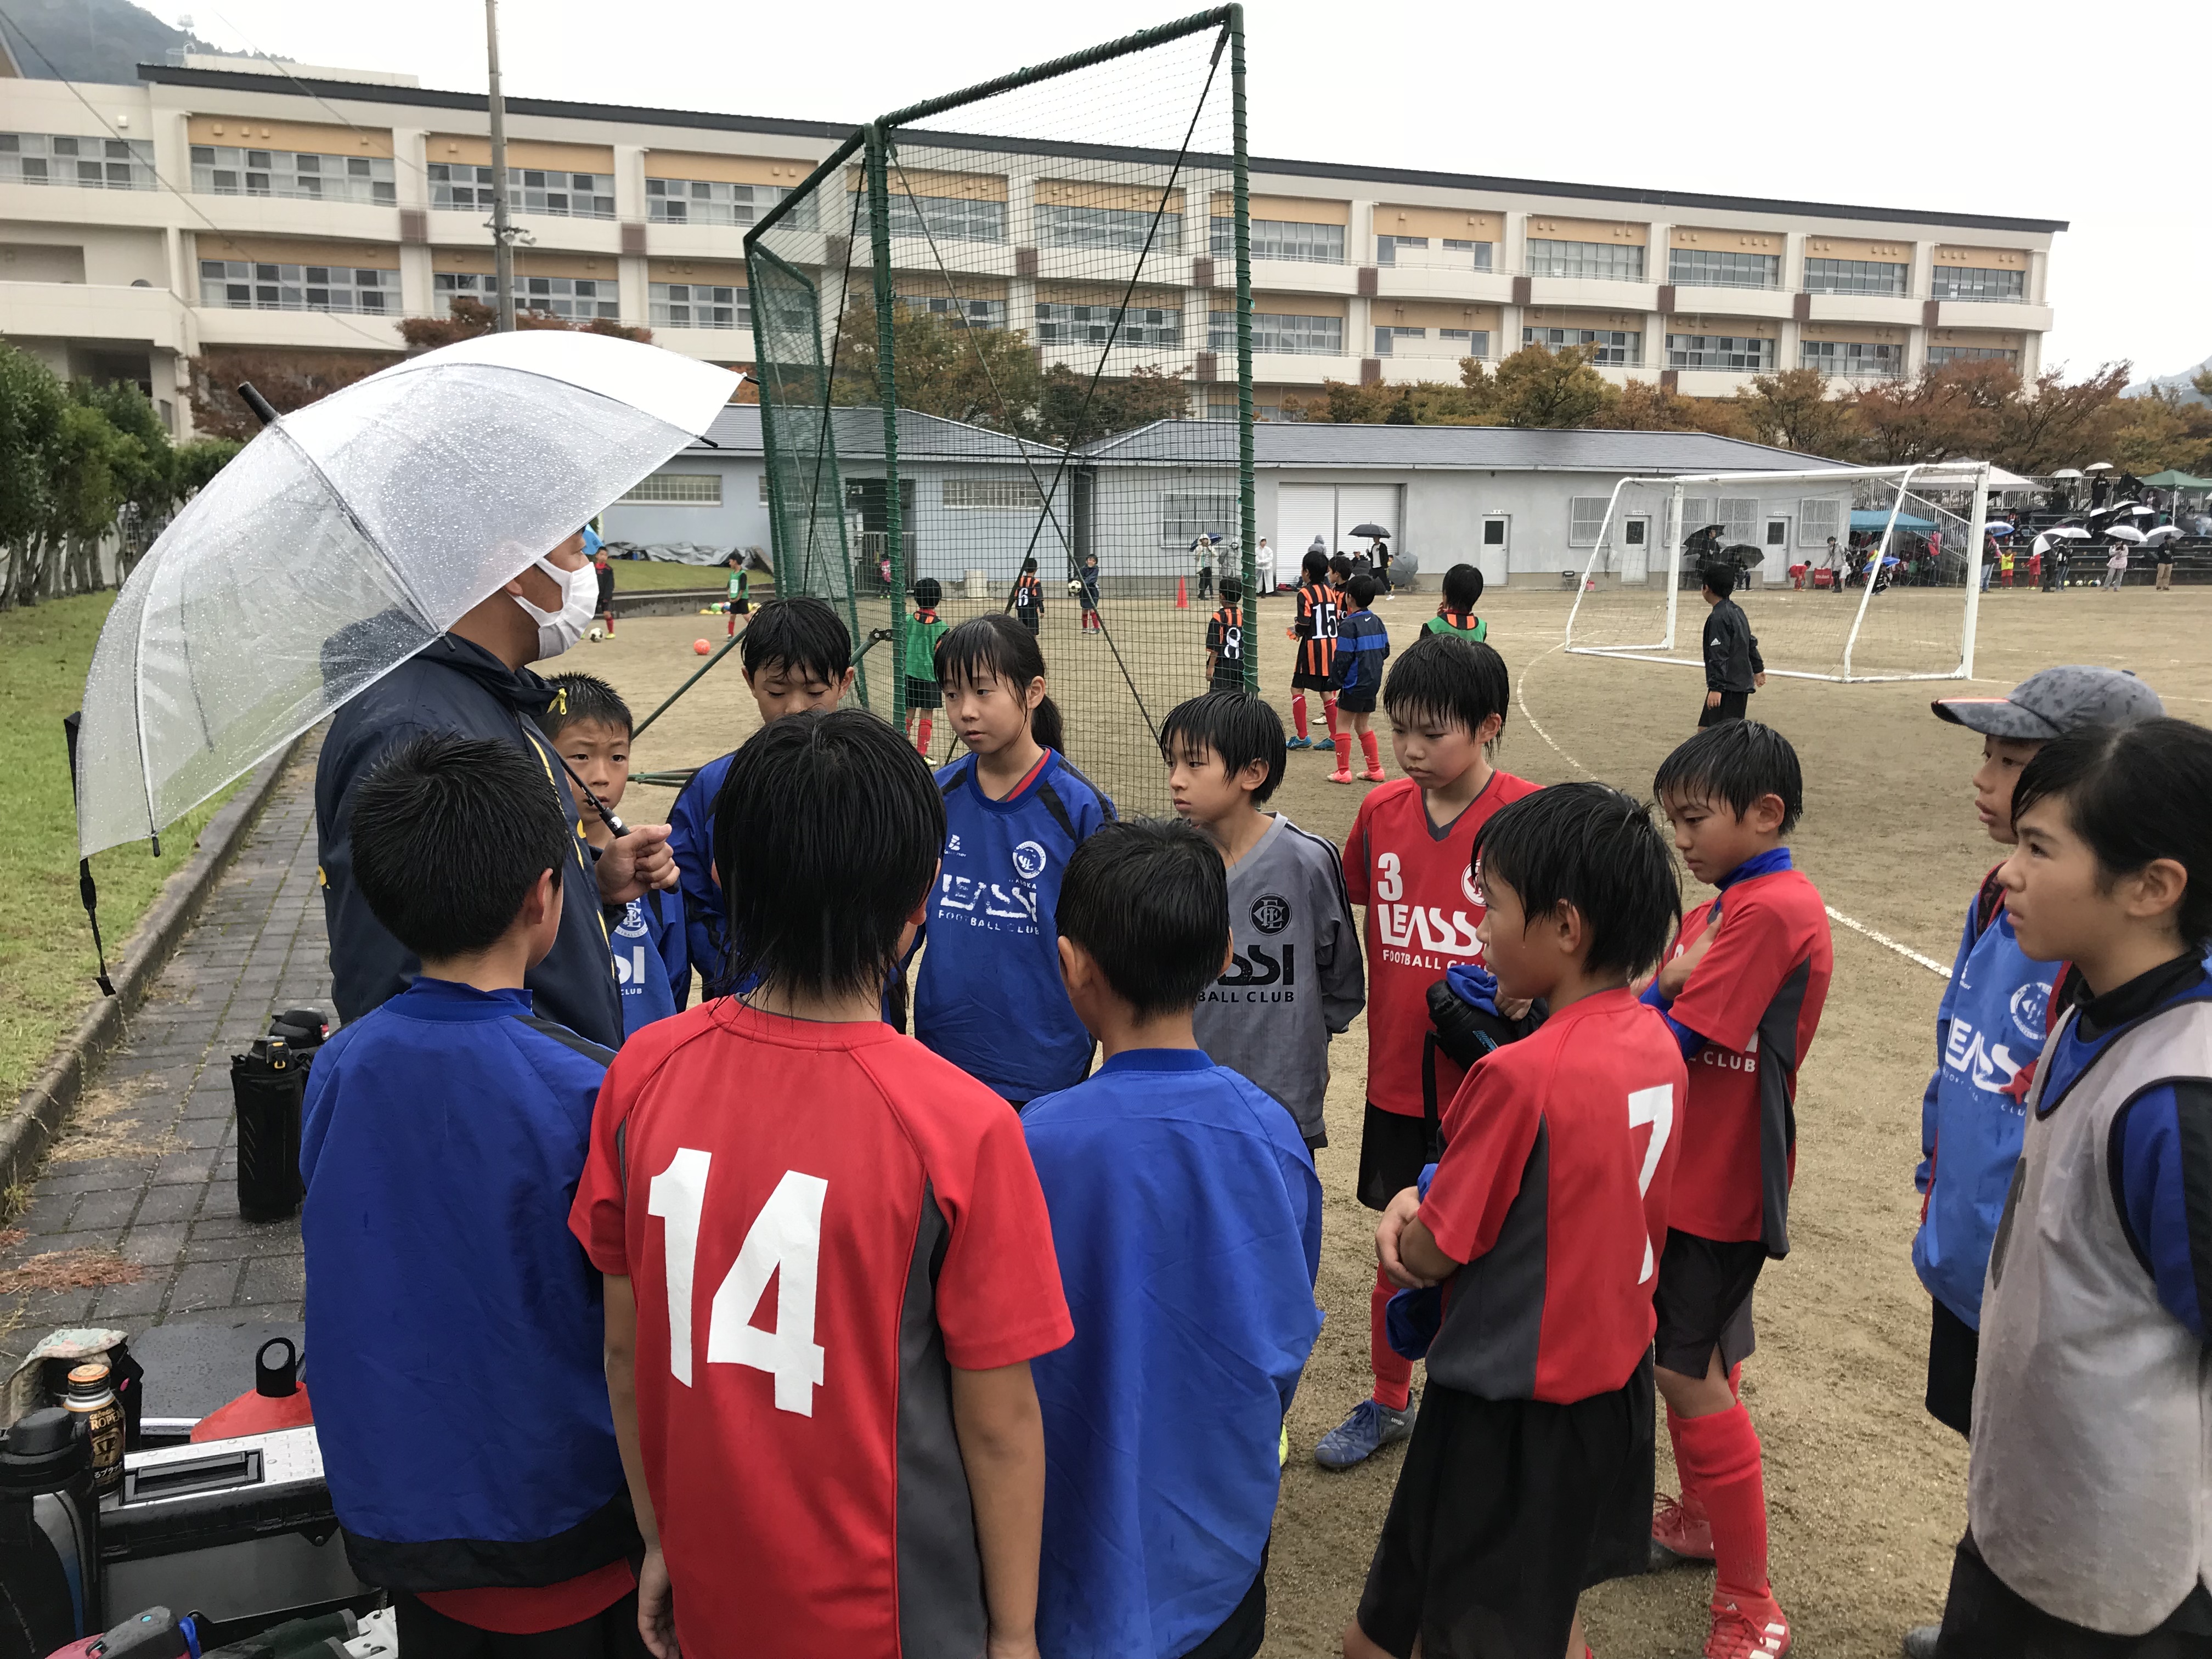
(1409,861)
(1315,669)
(1742,989)
(856,1467)
(1530,1477)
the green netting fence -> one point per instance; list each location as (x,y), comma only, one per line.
(1013,323)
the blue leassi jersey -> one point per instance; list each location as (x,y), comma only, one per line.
(652,965)
(691,843)
(989,997)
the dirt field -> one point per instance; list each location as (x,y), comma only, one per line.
(1867,1493)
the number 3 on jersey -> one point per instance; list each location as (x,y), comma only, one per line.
(784,1242)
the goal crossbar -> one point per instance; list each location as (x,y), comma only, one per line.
(1974,477)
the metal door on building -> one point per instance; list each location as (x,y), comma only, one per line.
(1304,511)
(1634,562)
(1774,567)
(1495,557)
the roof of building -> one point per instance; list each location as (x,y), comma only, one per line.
(425,97)
(1478,448)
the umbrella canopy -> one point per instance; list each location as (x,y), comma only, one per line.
(2164,533)
(2068,472)
(2098,467)
(1375,532)
(349,536)
(1999,528)
(2121,532)
(2063,533)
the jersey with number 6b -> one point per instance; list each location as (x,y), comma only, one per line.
(817,1221)
(1559,1162)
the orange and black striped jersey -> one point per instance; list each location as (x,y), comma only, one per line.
(1224,642)
(1029,593)
(1318,608)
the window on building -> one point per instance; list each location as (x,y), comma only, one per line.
(52,158)
(1615,347)
(226,170)
(946,218)
(1586,520)
(699,305)
(1978,283)
(1385,339)
(1454,252)
(1820,517)
(1607,261)
(1283,239)
(251,285)
(1274,332)
(464,189)
(1852,357)
(1185,515)
(680,490)
(1471,341)
(1389,248)
(1128,229)
(1737,516)
(1697,267)
(975,313)
(1477,254)
(1741,354)
(574,299)
(2006,355)
(1058,323)
(994,495)
(709,202)
(1855,276)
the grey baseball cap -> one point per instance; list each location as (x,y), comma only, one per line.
(2055,702)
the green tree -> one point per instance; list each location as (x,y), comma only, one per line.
(1537,386)
(31,404)
(88,491)
(199,461)
(1071,411)
(1792,410)
(2159,431)
(1401,411)
(145,465)
(2051,423)
(985,376)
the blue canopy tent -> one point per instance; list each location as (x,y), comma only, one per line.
(1877,518)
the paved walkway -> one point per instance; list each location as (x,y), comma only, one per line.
(147,1166)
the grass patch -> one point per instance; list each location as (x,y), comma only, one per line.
(636,575)
(45,949)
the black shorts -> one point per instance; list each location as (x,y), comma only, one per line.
(1393,1148)
(1028,615)
(1985,1618)
(1954,1352)
(1231,681)
(429,1634)
(1357,700)
(1704,1301)
(1302,681)
(1503,1507)
(1733,706)
(923,694)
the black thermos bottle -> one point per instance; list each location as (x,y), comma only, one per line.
(268,1084)
(49,1535)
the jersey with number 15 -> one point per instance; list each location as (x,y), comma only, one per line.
(817,1220)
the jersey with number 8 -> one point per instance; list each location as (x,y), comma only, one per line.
(1554,1186)
(817,1222)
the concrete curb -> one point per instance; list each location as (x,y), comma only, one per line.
(29,1128)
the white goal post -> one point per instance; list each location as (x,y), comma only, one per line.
(1905,605)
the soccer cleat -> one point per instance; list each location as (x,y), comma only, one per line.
(1680,1535)
(1371,1426)
(1340,776)
(1374,774)
(1756,1632)
(1297,742)
(1920,1641)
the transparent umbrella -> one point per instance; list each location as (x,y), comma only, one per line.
(346,538)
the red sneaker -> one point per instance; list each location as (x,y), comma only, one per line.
(1748,1630)
(1376,775)
(1339,777)
(1680,1533)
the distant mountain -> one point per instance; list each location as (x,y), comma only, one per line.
(96,40)
(2180,383)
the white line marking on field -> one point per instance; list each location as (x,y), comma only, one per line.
(1521,697)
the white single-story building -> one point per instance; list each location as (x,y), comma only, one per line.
(1517,504)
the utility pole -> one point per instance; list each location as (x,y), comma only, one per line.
(503,232)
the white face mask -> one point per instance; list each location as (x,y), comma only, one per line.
(557,631)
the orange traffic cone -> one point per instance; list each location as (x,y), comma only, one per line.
(1182,595)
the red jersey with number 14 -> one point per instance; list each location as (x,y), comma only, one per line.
(1417,883)
(817,1220)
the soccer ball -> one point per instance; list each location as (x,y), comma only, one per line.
(596,636)
(1074,589)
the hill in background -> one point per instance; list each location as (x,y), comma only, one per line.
(102,42)
(2182,383)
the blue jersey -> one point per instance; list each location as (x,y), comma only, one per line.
(444,1135)
(652,965)
(691,843)
(989,997)
(1187,1223)
(1989,1028)
(1362,643)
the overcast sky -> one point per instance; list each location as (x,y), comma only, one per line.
(2093,116)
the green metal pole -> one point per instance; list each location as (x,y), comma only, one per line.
(1248,506)
(879,242)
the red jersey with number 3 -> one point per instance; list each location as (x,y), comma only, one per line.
(817,1220)
(1417,883)
(1558,1158)
(1755,996)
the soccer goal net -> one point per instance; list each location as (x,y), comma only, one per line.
(1846,573)
(1011,328)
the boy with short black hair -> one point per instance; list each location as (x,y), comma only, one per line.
(443,1132)
(865,1449)
(1361,644)
(923,631)
(1293,978)
(1028,596)
(1314,630)
(1742,989)
(1408,861)
(1734,668)
(1163,1417)
(740,602)
(1224,639)
(796,655)
(589,727)
(1531,1473)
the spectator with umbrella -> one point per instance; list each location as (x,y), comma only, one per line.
(2161,542)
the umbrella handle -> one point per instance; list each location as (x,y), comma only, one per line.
(614,825)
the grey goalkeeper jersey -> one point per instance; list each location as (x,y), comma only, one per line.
(1296,980)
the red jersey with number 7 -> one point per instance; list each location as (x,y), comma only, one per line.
(817,1221)
(1559,1161)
